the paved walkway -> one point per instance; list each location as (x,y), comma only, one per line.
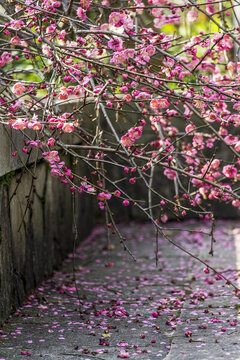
(117,308)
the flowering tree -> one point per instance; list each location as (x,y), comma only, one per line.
(161,80)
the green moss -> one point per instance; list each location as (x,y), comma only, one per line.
(6,179)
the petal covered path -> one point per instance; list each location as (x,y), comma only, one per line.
(111,307)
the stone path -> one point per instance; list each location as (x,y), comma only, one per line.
(117,308)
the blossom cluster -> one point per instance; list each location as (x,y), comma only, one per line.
(91,80)
(131,136)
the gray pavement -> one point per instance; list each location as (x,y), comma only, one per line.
(111,307)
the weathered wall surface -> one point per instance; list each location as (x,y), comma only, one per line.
(36,219)
(10,141)
(36,231)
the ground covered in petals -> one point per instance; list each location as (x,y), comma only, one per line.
(112,307)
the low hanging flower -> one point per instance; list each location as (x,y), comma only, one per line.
(104,196)
(133,134)
(51,157)
(19,124)
(68,127)
(170,174)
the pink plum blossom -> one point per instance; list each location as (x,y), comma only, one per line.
(135,132)
(231,139)
(104,196)
(127,98)
(117,193)
(18,88)
(15,41)
(122,344)
(123,354)
(55,172)
(6,57)
(68,127)
(118,58)
(229,171)
(35,125)
(51,142)
(81,13)
(120,312)
(190,128)
(19,124)
(116,19)
(237,146)
(115,43)
(17,24)
(51,156)
(164,218)
(215,164)
(192,16)
(46,50)
(171,174)
(159,103)
(126,140)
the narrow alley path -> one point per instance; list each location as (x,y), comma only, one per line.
(116,308)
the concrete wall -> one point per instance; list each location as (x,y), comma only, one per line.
(36,231)
(10,141)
